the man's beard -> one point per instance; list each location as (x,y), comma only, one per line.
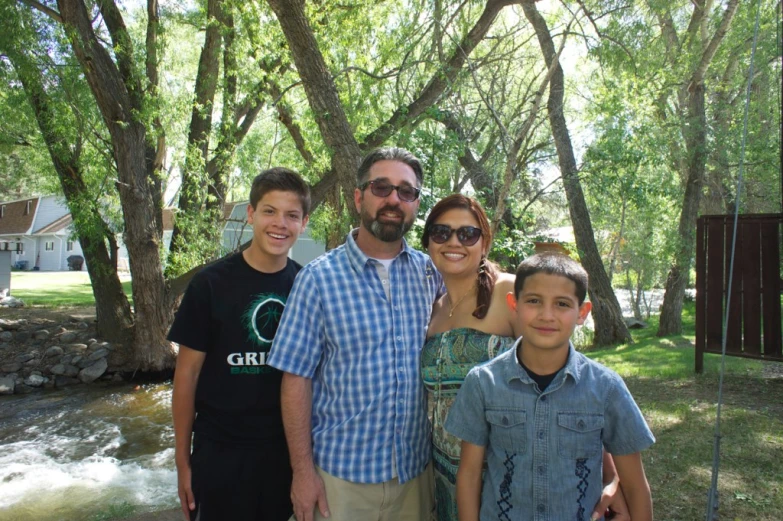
(386,232)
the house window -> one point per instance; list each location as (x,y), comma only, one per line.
(49,246)
(69,246)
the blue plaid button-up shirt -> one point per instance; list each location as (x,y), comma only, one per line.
(362,351)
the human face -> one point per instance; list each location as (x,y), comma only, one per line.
(387,218)
(277,221)
(452,257)
(547,312)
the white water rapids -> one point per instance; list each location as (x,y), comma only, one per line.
(72,454)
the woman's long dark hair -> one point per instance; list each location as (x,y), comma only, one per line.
(489,274)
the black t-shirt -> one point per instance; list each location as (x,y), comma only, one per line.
(231,312)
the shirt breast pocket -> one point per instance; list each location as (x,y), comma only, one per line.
(579,434)
(507,430)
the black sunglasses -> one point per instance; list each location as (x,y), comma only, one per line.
(381,188)
(466,235)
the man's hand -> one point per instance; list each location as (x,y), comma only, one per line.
(307,493)
(185,490)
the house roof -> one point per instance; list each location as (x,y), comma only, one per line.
(56,226)
(16,219)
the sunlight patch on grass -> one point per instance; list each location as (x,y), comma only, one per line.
(53,289)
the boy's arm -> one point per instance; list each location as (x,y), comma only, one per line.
(307,487)
(469,481)
(183,409)
(635,486)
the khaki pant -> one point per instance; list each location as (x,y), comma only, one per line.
(388,501)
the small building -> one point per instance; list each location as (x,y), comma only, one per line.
(41,226)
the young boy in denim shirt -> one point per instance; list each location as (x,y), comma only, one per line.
(542,412)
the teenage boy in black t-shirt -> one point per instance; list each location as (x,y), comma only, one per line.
(225,396)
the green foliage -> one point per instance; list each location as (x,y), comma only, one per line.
(115,511)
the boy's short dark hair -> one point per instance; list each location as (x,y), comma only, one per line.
(389,154)
(284,180)
(552,264)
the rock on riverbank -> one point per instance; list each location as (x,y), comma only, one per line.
(42,353)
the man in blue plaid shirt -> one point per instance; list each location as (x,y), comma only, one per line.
(353,404)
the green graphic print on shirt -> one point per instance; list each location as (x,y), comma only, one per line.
(260,322)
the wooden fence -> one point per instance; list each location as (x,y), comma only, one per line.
(754,326)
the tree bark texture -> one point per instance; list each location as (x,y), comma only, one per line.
(117,91)
(609,325)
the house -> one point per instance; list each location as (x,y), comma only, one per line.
(41,226)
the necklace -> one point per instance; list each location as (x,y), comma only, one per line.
(453,308)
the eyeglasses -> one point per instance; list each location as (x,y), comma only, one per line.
(381,188)
(466,235)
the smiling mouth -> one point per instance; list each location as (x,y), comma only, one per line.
(277,236)
(454,256)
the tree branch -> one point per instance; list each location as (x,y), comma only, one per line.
(48,11)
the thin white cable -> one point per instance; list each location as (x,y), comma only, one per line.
(712,498)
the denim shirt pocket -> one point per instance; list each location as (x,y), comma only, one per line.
(579,434)
(507,429)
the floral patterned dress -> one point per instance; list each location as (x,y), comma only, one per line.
(445,361)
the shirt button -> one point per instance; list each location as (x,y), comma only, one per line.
(402,370)
(504,421)
(399,339)
(540,508)
(540,435)
(580,424)
(543,399)
(384,281)
(541,470)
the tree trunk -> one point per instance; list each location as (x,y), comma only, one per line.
(120,98)
(694,132)
(679,274)
(609,325)
(111,305)
(195,184)
(321,91)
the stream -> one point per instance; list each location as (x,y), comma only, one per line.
(79,453)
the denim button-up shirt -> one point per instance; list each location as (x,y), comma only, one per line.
(362,350)
(543,449)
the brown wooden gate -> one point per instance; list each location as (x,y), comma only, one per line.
(754,328)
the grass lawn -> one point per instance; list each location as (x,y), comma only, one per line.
(54,289)
(680,407)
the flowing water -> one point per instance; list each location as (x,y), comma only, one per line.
(75,454)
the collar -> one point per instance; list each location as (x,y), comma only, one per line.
(512,369)
(358,259)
